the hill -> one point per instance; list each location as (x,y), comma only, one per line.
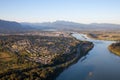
(12,26)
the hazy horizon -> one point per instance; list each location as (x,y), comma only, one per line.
(80,11)
(60,20)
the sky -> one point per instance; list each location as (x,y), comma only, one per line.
(82,11)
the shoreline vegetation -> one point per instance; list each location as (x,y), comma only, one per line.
(109,36)
(104,35)
(115,48)
(25,57)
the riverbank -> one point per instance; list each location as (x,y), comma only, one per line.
(82,50)
(49,72)
(108,36)
(99,64)
(21,58)
(115,48)
(79,51)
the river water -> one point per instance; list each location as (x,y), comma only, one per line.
(99,64)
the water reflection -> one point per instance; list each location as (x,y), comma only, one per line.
(100,64)
(77,72)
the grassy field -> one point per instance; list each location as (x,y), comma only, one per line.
(104,35)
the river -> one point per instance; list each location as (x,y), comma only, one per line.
(99,64)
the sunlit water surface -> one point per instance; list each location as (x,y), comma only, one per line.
(99,64)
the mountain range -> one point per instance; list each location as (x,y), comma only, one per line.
(12,26)
(66,25)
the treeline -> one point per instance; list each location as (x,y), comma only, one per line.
(115,48)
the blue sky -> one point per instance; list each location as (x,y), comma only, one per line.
(82,11)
